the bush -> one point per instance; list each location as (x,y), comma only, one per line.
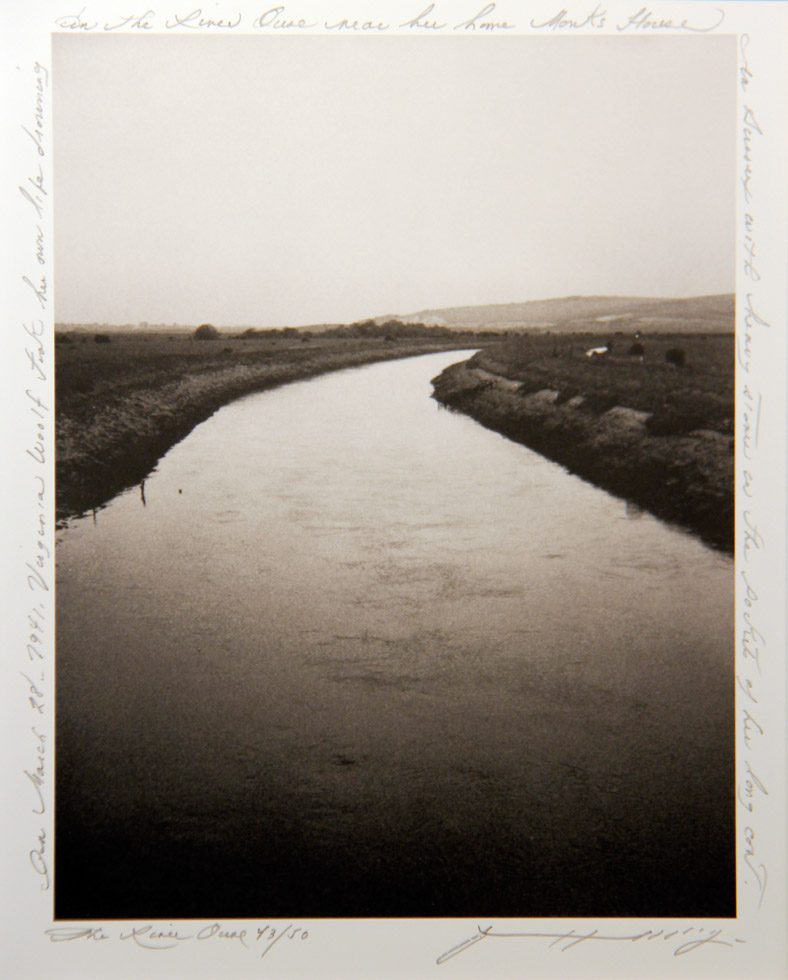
(101,338)
(599,402)
(206,331)
(676,355)
(637,350)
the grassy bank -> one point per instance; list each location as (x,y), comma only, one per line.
(643,421)
(123,401)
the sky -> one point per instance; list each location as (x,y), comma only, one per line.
(275,181)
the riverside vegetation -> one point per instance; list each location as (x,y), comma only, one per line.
(651,420)
(124,398)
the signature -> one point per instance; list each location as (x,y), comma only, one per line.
(684,940)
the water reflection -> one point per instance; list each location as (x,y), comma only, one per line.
(381,661)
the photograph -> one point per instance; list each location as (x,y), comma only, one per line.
(394,447)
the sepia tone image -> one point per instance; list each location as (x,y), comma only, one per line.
(394,383)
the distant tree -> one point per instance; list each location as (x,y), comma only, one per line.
(676,355)
(101,338)
(206,331)
(637,350)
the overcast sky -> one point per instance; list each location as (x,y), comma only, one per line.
(275,181)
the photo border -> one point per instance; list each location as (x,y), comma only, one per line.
(751,945)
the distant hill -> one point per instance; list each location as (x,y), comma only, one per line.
(599,314)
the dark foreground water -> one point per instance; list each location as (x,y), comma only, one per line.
(355,655)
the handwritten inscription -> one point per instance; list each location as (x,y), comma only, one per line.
(751,130)
(680,941)
(752,791)
(76,22)
(753,333)
(646,20)
(260,939)
(195,20)
(38,859)
(34,336)
(276,19)
(355,26)
(36,130)
(424,21)
(482,20)
(745,75)
(38,774)
(133,22)
(68,934)
(34,192)
(563,20)
(757,869)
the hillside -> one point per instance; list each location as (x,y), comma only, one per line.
(598,314)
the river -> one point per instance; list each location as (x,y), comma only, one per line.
(348,653)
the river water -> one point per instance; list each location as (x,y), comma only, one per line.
(348,653)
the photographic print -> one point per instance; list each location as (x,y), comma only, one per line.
(394,404)
(331,648)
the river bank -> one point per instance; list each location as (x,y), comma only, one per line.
(346,637)
(122,404)
(684,476)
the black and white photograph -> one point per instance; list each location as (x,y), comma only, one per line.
(405,504)
(327,643)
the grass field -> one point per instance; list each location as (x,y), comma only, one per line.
(698,395)
(642,426)
(123,399)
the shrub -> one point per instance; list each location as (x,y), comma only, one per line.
(599,402)
(676,355)
(101,338)
(637,350)
(206,331)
